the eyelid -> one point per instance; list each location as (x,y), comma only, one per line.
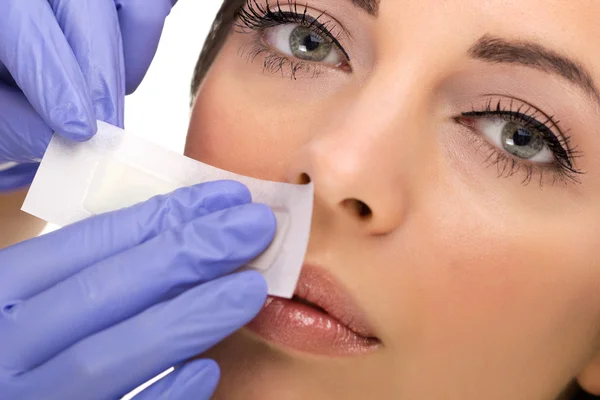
(292,11)
(559,143)
(305,9)
(525,114)
(508,164)
(518,105)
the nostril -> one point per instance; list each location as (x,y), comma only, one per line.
(304,179)
(360,208)
(363,209)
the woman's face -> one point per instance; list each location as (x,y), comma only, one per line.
(454,151)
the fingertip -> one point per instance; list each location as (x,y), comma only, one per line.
(209,373)
(243,294)
(203,368)
(134,79)
(74,125)
(208,381)
(199,380)
(261,220)
(253,287)
(84,130)
(239,233)
(268,215)
(139,21)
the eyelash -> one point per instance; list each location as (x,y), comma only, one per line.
(256,18)
(528,117)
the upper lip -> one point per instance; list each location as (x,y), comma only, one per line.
(317,288)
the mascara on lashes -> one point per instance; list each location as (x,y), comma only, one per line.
(256,17)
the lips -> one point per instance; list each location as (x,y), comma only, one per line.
(321,319)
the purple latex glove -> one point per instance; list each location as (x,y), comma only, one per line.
(97,308)
(66,63)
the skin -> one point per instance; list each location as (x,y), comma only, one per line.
(477,286)
(16,225)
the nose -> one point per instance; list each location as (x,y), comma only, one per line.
(359,168)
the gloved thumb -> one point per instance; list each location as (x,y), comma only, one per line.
(141,22)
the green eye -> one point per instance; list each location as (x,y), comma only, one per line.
(520,141)
(308,45)
(514,138)
(303,43)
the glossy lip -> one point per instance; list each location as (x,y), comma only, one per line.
(321,318)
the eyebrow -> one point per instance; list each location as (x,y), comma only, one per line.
(496,50)
(370,6)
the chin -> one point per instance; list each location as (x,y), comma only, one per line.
(252,369)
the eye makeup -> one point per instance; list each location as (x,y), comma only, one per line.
(307,39)
(294,39)
(523,125)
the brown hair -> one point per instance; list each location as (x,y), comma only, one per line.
(221,28)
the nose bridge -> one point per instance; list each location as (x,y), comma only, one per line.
(362,160)
(383,120)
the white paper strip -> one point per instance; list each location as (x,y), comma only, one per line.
(116,169)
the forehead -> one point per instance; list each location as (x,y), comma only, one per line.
(575,15)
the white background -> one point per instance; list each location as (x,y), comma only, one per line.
(159,109)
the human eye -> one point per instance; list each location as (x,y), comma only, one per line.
(520,137)
(293,38)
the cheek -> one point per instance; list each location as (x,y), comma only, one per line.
(252,123)
(231,133)
(507,268)
(244,124)
(470,291)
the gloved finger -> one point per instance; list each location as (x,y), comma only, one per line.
(196,380)
(124,285)
(91,28)
(67,251)
(17,177)
(24,135)
(35,52)
(141,28)
(115,361)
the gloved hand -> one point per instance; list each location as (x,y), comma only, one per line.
(97,308)
(64,64)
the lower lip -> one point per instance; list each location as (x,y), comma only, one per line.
(300,327)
